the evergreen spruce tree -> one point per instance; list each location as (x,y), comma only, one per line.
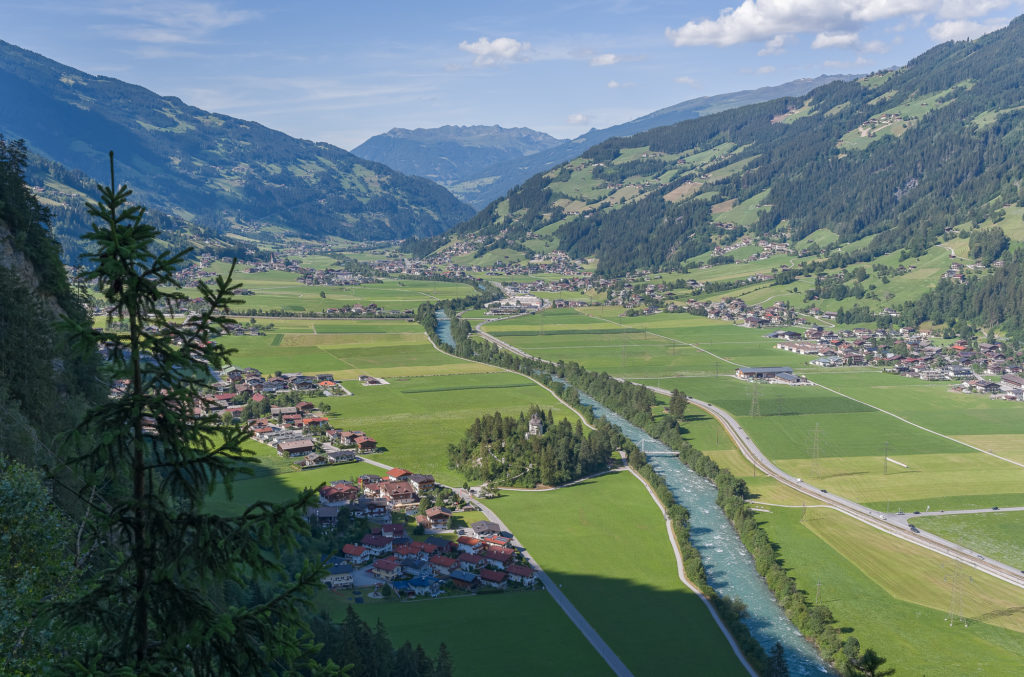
(777,666)
(154,602)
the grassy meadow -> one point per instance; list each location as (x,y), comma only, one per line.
(874,583)
(544,640)
(280,290)
(604,543)
(996,534)
(686,352)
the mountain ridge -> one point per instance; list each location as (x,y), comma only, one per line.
(211,169)
(896,157)
(491,181)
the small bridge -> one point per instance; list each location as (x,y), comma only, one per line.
(662,453)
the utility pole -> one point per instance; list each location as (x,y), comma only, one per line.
(816,450)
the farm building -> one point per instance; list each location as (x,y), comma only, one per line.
(762,373)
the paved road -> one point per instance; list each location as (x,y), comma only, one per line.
(886,522)
(602,648)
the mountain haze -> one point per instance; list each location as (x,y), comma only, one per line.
(452,154)
(491,180)
(214,170)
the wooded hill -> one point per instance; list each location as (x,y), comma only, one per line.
(209,169)
(901,155)
(502,450)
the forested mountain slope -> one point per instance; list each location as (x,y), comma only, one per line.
(494,180)
(210,169)
(901,155)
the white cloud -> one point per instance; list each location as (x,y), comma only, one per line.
(171,23)
(686,80)
(961,29)
(612,84)
(578,119)
(604,60)
(773,46)
(766,69)
(824,40)
(499,50)
(755,20)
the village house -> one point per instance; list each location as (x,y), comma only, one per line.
(386,569)
(518,573)
(494,579)
(339,573)
(295,447)
(356,554)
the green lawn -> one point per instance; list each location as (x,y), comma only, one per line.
(999,535)
(852,436)
(895,596)
(347,349)
(604,542)
(280,290)
(529,627)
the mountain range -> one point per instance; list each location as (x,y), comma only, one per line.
(212,170)
(892,161)
(480,164)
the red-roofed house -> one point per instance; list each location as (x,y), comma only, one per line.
(495,579)
(356,554)
(469,544)
(392,530)
(498,557)
(314,422)
(439,517)
(442,565)
(376,545)
(469,562)
(386,569)
(365,443)
(397,474)
(517,573)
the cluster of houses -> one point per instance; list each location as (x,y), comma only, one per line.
(374,497)
(248,382)
(429,567)
(1010,387)
(736,310)
(294,435)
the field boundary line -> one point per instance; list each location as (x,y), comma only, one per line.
(681,571)
(553,394)
(669,338)
(921,427)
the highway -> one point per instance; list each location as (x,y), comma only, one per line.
(892,523)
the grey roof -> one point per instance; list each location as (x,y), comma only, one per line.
(765,370)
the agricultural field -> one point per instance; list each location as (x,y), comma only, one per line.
(995,534)
(280,290)
(347,349)
(604,543)
(853,439)
(866,575)
(465,624)
(896,597)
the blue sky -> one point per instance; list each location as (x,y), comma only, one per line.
(344,70)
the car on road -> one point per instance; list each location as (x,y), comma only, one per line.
(995,507)
(824,491)
(917,512)
(915,529)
